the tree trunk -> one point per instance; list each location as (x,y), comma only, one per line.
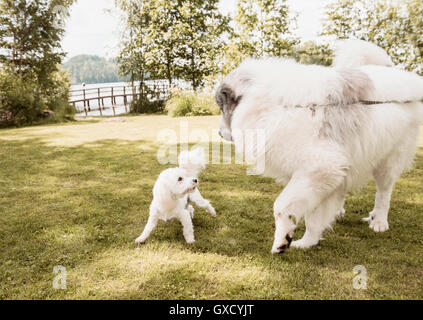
(194,80)
(169,68)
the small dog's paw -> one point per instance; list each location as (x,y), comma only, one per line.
(212,212)
(369,218)
(140,240)
(340,214)
(379,225)
(190,240)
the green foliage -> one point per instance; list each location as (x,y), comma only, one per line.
(56,97)
(201,27)
(171,39)
(22,102)
(231,57)
(313,53)
(132,58)
(19,99)
(145,105)
(93,69)
(264,28)
(189,103)
(396,26)
(30,35)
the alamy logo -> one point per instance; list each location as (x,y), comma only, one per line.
(251,147)
(59,281)
(360,280)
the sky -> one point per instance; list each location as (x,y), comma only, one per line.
(93,26)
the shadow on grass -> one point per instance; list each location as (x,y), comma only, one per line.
(83,206)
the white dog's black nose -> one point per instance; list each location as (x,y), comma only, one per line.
(195,180)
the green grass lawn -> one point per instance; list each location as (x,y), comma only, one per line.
(77,195)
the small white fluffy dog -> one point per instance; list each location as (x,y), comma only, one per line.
(328,130)
(173,192)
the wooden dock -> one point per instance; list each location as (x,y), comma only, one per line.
(93,99)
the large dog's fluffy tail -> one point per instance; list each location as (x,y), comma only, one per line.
(388,84)
(193,161)
(392,85)
(357,53)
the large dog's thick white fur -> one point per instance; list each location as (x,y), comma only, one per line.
(328,130)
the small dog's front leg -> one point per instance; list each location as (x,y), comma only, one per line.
(188,229)
(200,202)
(210,209)
(191,210)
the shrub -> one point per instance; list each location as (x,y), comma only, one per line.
(189,103)
(57,97)
(146,106)
(22,101)
(19,100)
(148,102)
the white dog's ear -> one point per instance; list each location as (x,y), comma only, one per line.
(160,189)
(198,156)
(192,161)
(164,185)
(226,99)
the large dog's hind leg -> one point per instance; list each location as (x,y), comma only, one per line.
(303,194)
(385,175)
(318,221)
(385,182)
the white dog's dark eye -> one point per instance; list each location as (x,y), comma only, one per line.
(180,179)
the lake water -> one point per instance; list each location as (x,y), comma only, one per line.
(105,90)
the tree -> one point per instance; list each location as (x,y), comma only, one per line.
(264,27)
(133,47)
(132,58)
(165,42)
(314,53)
(172,39)
(415,33)
(30,55)
(393,25)
(201,28)
(92,69)
(261,28)
(30,37)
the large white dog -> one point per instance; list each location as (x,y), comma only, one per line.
(328,130)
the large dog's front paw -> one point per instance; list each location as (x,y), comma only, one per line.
(379,225)
(303,244)
(282,247)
